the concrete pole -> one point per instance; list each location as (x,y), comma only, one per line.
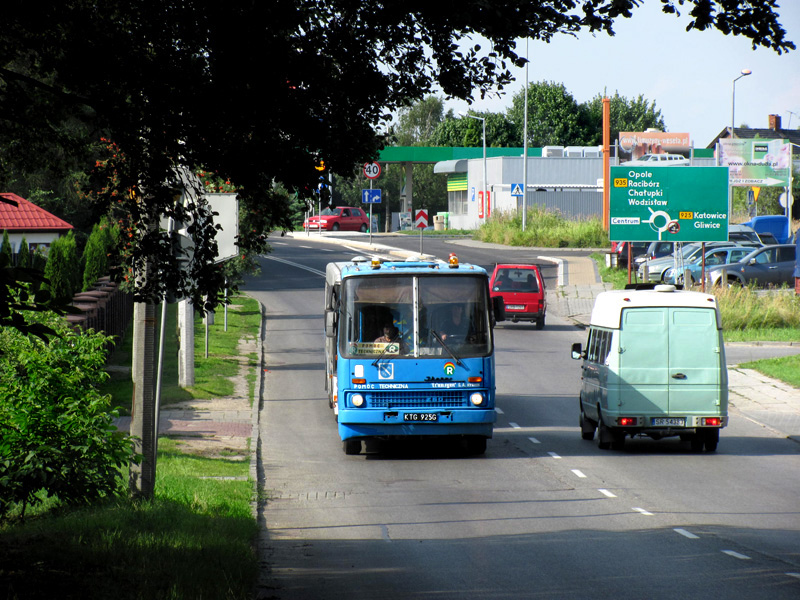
(409,168)
(186,347)
(143,422)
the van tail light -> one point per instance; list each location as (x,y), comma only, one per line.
(627,421)
(712,421)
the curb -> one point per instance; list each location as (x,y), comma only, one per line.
(255,433)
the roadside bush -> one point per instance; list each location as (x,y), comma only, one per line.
(56,432)
(743,308)
(96,254)
(544,229)
(62,267)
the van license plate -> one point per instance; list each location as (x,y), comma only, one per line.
(672,421)
(428,417)
(515,307)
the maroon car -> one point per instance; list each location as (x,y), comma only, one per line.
(341,218)
(522,290)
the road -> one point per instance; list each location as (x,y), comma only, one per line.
(543,514)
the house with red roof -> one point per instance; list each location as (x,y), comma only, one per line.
(22,218)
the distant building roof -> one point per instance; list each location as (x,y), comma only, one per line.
(18,214)
(773,132)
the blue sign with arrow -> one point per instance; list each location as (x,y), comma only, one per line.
(371,196)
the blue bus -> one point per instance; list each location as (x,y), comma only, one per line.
(409,350)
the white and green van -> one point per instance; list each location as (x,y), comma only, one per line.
(654,365)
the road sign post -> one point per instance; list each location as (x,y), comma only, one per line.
(421,222)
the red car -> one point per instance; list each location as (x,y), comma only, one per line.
(341,218)
(523,293)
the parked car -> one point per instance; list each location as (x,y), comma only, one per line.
(656,268)
(341,218)
(621,250)
(658,160)
(716,256)
(778,226)
(769,266)
(655,250)
(522,289)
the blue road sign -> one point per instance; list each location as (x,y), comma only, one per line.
(516,189)
(371,196)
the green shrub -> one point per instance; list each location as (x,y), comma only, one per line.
(57,436)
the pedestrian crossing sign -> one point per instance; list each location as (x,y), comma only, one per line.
(516,189)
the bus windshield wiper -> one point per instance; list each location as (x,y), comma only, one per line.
(385,349)
(446,347)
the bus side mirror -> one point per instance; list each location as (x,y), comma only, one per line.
(577,351)
(499,308)
(330,323)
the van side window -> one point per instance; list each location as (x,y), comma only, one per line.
(591,345)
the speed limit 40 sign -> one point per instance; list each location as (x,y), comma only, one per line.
(372,170)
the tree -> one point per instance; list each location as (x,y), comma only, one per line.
(96,254)
(171,84)
(468,132)
(61,269)
(24,255)
(554,116)
(5,247)
(626,115)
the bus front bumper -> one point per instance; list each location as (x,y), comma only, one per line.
(364,423)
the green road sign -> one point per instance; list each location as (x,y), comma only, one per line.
(672,204)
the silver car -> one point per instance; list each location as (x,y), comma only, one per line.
(770,266)
(657,268)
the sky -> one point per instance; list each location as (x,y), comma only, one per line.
(689,75)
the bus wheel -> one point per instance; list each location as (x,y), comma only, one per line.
(351,447)
(476,445)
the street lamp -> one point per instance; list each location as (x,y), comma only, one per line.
(745,73)
(485,184)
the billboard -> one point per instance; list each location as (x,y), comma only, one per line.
(756,162)
(634,144)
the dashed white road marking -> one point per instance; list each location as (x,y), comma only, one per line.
(607,493)
(687,534)
(643,511)
(513,425)
(498,410)
(554,455)
(736,555)
(795,575)
(578,473)
(534,440)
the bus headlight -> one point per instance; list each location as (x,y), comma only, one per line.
(476,398)
(357,400)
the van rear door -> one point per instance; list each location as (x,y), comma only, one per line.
(644,361)
(695,359)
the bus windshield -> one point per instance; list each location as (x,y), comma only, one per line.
(400,316)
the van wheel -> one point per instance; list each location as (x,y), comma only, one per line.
(351,447)
(604,436)
(711,439)
(587,427)
(697,443)
(540,322)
